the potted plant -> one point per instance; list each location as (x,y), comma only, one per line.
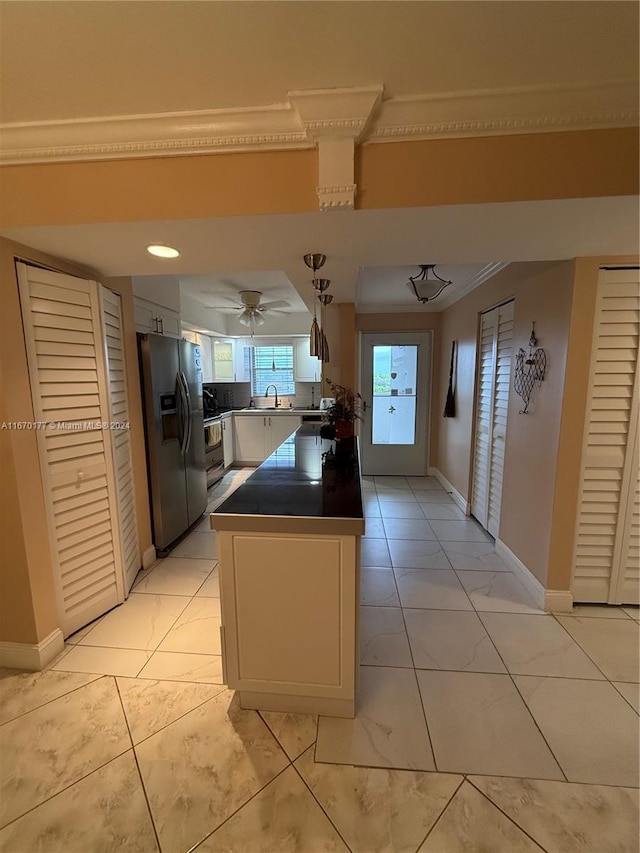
(344,410)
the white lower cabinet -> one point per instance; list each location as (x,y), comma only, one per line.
(227,441)
(257,436)
(280,428)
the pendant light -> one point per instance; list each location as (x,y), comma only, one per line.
(315,260)
(324,299)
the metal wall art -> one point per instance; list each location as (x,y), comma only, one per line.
(529,370)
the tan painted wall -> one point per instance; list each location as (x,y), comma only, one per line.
(27,606)
(572,425)
(543,294)
(160,188)
(16,623)
(576,164)
(399,174)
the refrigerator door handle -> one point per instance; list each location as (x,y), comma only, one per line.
(189,411)
(184,409)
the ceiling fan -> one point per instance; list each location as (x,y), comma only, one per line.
(252,309)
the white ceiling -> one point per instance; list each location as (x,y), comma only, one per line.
(221,291)
(212,55)
(473,235)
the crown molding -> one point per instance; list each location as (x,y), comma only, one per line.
(501,112)
(452,295)
(309,117)
(276,127)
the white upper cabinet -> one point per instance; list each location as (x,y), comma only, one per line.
(156,319)
(306,368)
(230,362)
(224,367)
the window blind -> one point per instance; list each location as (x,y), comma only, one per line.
(263,359)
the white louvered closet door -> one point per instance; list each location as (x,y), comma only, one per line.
(120,436)
(606,543)
(494,376)
(61,319)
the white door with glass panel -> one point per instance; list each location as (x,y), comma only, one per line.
(395,382)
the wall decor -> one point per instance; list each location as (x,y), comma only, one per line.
(529,370)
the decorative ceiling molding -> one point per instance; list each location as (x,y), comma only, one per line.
(359,114)
(503,112)
(337,197)
(336,113)
(450,295)
(275,127)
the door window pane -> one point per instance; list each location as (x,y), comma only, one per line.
(395,372)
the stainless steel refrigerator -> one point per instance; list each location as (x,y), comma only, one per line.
(171,375)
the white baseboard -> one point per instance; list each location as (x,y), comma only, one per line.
(149,557)
(529,580)
(32,657)
(558,600)
(459,498)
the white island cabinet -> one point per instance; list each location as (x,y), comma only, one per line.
(257,435)
(289,557)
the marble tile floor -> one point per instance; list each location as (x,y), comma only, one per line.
(483,723)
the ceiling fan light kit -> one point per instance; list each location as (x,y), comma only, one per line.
(424,288)
(252,309)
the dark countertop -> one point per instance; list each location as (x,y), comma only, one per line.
(301,481)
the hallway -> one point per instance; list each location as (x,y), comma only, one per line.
(483,723)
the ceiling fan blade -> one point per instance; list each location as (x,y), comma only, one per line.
(227,307)
(280,303)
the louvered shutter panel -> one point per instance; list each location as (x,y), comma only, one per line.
(628,581)
(120,437)
(495,353)
(66,368)
(504,353)
(608,482)
(484,417)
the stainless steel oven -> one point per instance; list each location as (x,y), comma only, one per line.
(214,453)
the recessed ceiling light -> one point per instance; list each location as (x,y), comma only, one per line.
(160,250)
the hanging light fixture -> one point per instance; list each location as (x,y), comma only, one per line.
(424,288)
(324,299)
(316,260)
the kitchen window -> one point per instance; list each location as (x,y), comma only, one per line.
(272,366)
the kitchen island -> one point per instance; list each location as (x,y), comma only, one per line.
(289,558)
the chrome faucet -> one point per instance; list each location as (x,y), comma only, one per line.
(266,392)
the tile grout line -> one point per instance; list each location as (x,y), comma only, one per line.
(569,634)
(439,818)
(139,771)
(528,709)
(316,800)
(96,677)
(80,778)
(508,817)
(195,846)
